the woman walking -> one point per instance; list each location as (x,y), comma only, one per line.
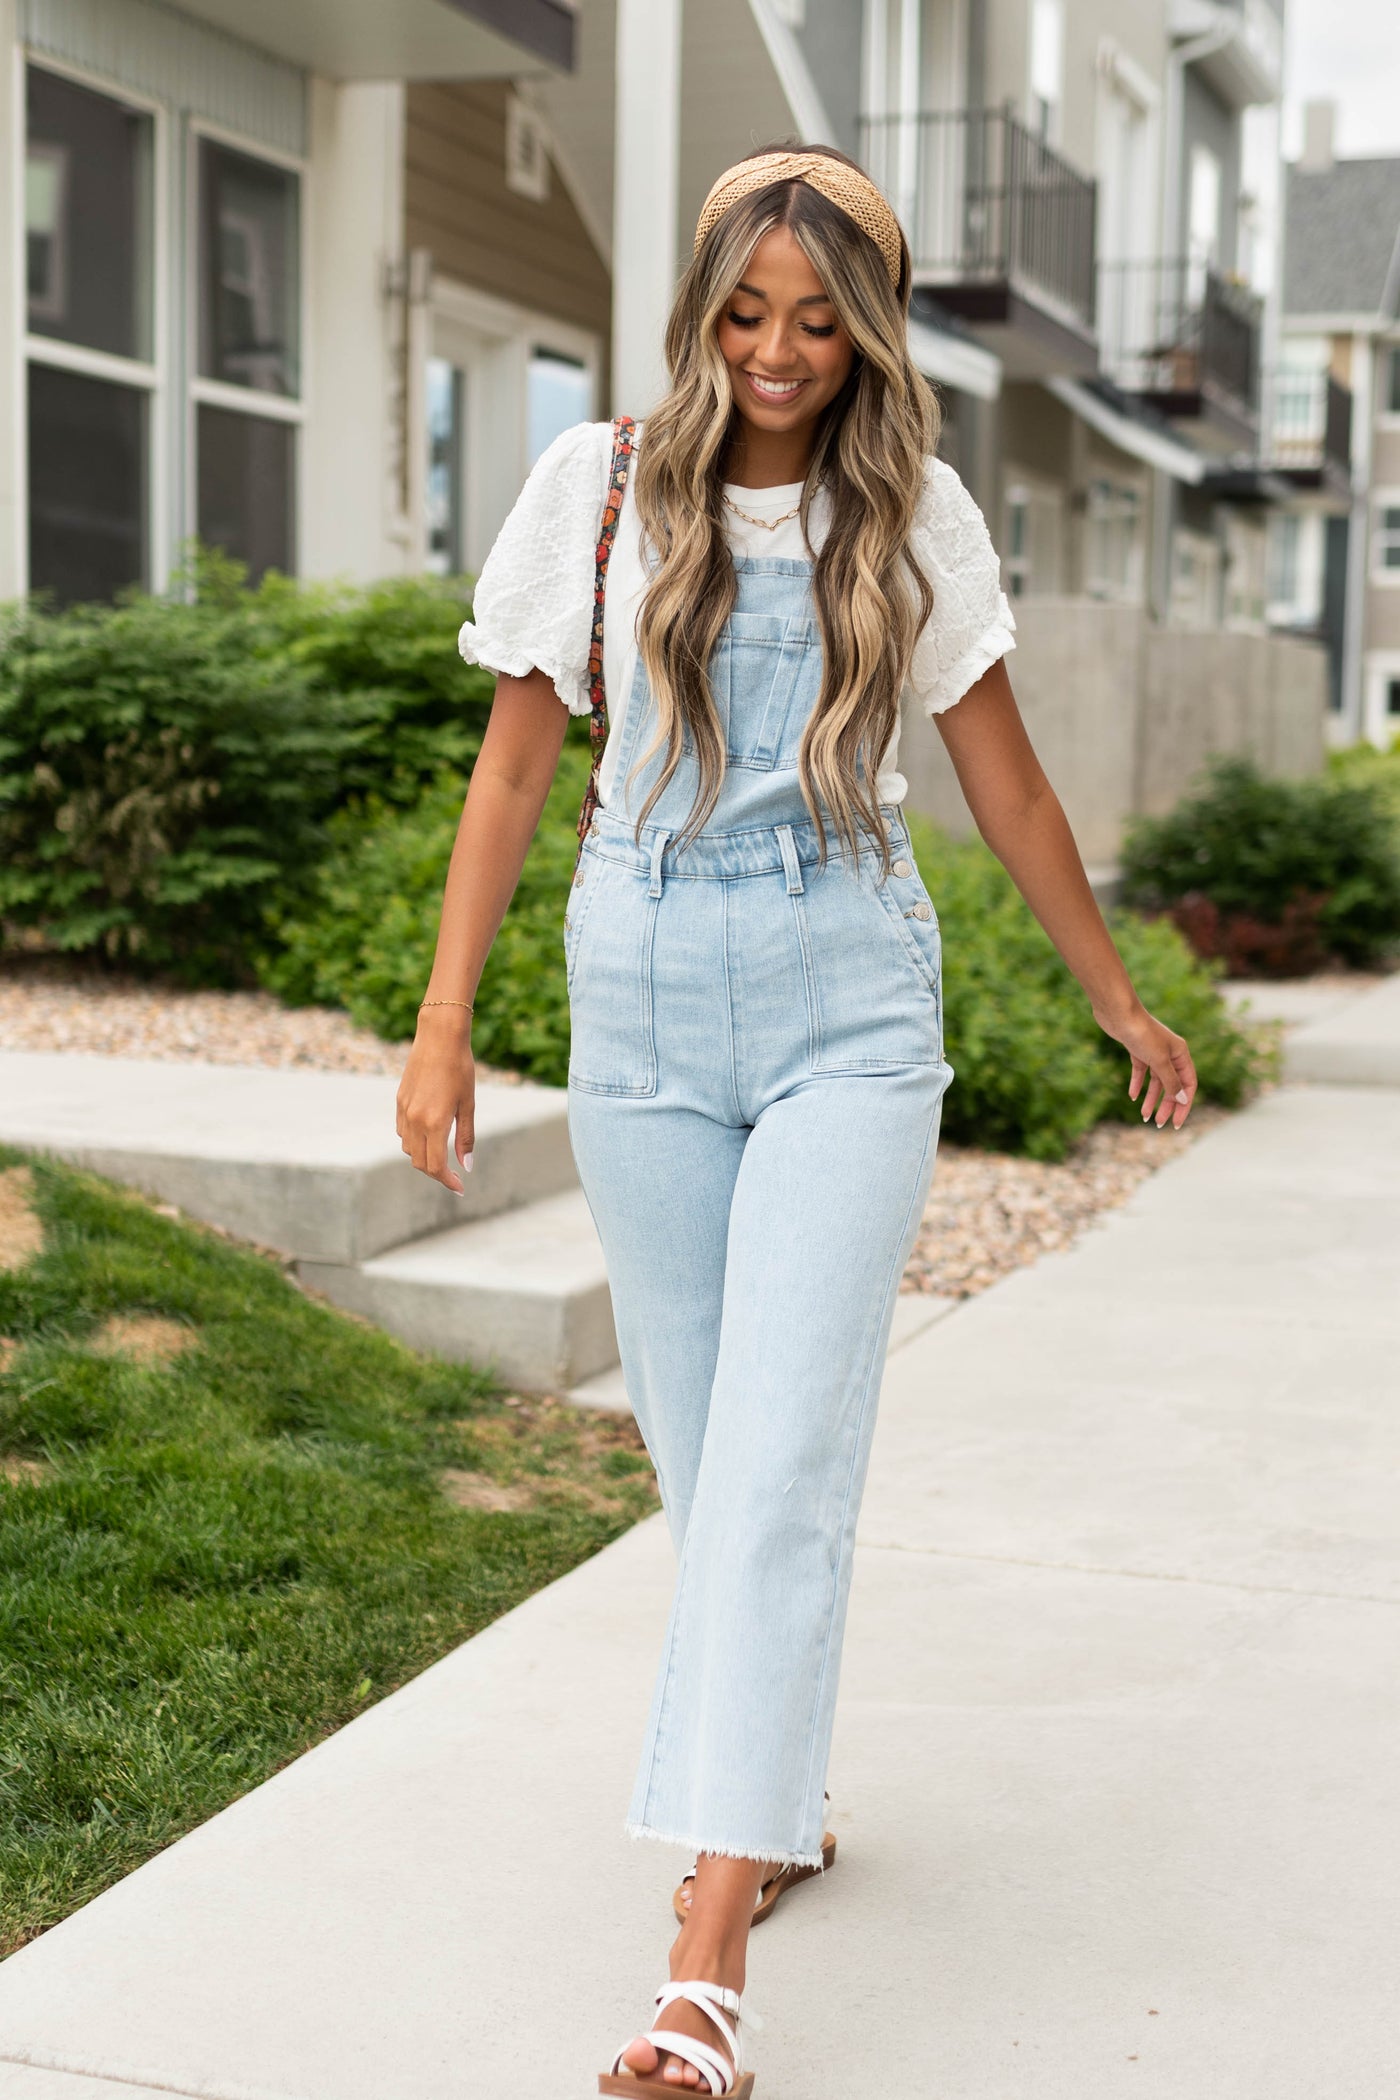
(753,580)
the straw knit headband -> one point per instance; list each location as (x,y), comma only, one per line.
(848,187)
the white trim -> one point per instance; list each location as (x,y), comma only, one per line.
(1150,446)
(241,142)
(800,91)
(953,362)
(246,400)
(85,76)
(97,364)
(1127,75)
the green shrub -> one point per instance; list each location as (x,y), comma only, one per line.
(1034,1070)
(1273,875)
(159,773)
(390,650)
(367,941)
(1364,765)
(167,765)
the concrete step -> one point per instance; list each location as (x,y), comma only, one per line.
(525,1292)
(306,1162)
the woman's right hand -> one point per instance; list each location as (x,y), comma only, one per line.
(437,1095)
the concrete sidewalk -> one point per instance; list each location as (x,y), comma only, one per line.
(1117,1769)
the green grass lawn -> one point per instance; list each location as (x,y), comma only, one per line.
(230,1519)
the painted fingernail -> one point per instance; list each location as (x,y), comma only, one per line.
(1183,1096)
(467,1158)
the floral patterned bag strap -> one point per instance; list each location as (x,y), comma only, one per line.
(624,434)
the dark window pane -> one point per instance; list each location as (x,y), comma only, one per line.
(1392,697)
(249,271)
(87,217)
(87,485)
(444,491)
(247,488)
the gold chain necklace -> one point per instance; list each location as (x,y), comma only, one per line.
(768,524)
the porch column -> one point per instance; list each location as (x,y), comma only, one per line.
(646,192)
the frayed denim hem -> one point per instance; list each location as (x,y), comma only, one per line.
(701,1846)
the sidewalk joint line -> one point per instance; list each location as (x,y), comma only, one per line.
(1078,1567)
(133,2079)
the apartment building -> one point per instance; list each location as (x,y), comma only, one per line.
(318,285)
(1335,550)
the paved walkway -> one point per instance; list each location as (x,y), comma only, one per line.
(1117,1770)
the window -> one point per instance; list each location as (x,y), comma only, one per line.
(1285,529)
(1391,395)
(89,253)
(88,218)
(1392,697)
(559,394)
(1387,537)
(247,487)
(1195,600)
(248,384)
(1031,540)
(1113,551)
(446,389)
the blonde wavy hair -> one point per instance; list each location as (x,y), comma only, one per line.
(871,449)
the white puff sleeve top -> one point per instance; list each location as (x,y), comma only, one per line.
(533,606)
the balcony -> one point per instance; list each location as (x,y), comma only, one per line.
(1001,228)
(1185,339)
(1311,437)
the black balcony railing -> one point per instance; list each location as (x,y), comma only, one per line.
(1312,421)
(1174,327)
(985,201)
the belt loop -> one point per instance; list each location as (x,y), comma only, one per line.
(791,865)
(658,847)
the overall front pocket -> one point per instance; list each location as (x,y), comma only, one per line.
(607,946)
(875,987)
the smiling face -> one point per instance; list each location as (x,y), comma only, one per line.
(787,353)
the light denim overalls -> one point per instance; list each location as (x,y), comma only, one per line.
(754,1091)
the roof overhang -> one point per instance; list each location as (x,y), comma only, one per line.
(952,361)
(1156,448)
(1244,59)
(410,40)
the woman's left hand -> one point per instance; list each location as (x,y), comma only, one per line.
(1159,1057)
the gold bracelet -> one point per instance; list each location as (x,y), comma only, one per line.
(446,1002)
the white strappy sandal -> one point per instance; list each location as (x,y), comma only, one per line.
(725,2077)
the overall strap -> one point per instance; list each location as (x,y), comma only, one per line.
(624,434)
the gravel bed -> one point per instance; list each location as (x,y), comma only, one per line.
(987,1213)
(44,1007)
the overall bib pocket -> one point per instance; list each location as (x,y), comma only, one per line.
(765,675)
(607,947)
